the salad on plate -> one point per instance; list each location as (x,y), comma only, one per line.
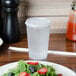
(31,69)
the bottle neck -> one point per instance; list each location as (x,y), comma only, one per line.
(72,17)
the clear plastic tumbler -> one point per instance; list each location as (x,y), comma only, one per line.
(38,30)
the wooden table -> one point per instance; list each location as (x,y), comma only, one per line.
(57,42)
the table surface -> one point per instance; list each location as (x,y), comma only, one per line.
(57,42)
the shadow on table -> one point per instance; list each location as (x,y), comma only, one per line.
(4,48)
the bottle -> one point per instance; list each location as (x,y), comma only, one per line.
(11,32)
(71,28)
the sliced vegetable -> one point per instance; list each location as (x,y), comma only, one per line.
(42,70)
(29,74)
(59,74)
(24,74)
(32,63)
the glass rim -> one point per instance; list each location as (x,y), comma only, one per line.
(42,22)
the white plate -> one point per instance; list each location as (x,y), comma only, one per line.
(1,41)
(59,68)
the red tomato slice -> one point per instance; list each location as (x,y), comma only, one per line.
(59,74)
(24,74)
(42,70)
(32,63)
(29,74)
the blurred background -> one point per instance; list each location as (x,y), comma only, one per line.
(56,10)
